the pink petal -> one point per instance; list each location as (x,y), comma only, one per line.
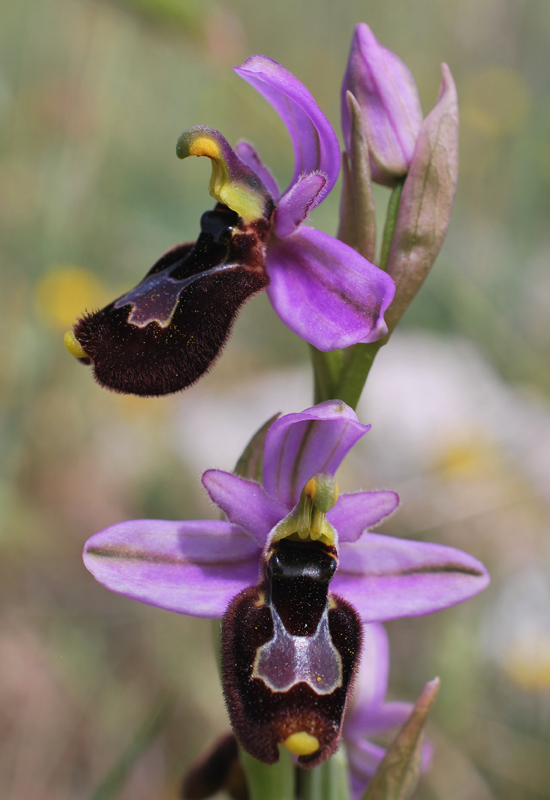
(354,513)
(300,445)
(316,146)
(387,578)
(245,503)
(325,291)
(190,567)
(295,205)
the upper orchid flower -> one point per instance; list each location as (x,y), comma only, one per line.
(388,98)
(290,646)
(166,332)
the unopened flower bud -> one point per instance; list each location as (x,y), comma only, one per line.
(386,92)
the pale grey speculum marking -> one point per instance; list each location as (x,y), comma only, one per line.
(155,299)
(286,660)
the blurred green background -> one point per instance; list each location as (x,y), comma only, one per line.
(93,95)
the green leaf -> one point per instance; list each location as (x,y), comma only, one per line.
(398,773)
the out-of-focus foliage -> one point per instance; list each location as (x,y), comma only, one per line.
(93,96)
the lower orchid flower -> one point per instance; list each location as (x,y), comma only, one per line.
(294,574)
(165,333)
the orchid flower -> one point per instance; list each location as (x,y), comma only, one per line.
(290,647)
(162,335)
(369,715)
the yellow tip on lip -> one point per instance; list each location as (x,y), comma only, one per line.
(74,347)
(301,744)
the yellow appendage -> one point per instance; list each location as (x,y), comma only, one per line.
(301,744)
(73,346)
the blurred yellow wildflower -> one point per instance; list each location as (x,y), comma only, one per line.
(495,101)
(527,664)
(468,456)
(64,293)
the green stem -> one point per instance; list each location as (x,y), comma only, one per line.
(276,782)
(327,368)
(389,225)
(329,781)
(360,359)
(341,374)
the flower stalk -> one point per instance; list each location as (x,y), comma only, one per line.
(270,782)
(329,781)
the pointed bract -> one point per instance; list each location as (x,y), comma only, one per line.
(370,715)
(426,201)
(399,770)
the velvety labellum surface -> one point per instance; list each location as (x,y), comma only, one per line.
(162,335)
(289,651)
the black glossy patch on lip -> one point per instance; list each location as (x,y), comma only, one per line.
(163,335)
(262,716)
(298,575)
